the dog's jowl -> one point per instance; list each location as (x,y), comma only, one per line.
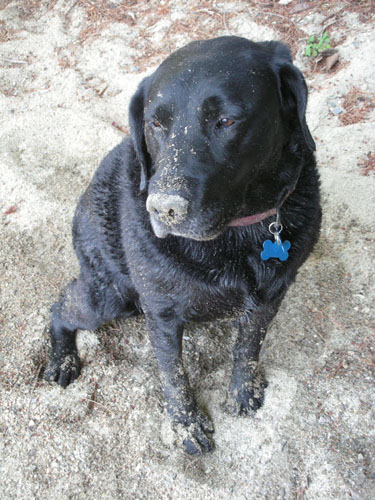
(173,225)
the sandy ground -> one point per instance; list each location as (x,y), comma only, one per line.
(66,77)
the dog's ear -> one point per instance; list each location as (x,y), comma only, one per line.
(137,130)
(292,89)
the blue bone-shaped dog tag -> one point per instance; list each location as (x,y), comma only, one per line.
(276,250)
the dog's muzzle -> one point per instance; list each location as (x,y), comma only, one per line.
(171,209)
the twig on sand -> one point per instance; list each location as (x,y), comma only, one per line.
(71,8)
(12,61)
(33,389)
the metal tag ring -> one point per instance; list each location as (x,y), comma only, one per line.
(275,228)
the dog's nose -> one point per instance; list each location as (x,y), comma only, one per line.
(169,208)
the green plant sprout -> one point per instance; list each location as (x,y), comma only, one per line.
(317,45)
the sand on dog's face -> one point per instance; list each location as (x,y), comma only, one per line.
(107,436)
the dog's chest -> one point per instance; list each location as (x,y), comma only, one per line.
(220,303)
(196,289)
(193,298)
(202,300)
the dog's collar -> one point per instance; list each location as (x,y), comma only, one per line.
(252,219)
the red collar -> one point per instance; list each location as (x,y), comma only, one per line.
(252,219)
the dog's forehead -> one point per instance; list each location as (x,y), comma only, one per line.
(187,74)
(223,58)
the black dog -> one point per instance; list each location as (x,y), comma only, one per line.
(174,220)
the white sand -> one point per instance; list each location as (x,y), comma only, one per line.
(107,436)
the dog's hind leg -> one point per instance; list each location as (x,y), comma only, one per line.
(73,311)
(85,305)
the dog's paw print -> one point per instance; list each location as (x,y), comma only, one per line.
(273,249)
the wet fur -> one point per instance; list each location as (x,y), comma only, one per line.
(127,270)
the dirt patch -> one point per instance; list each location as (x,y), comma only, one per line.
(67,72)
(368,164)
(357,105)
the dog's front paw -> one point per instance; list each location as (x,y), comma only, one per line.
(63,370)
(246,398)
(195,432)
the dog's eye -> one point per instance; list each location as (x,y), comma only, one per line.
(225,122)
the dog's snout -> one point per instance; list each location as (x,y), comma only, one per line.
(169,208)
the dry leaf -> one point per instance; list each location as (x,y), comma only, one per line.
(332,60)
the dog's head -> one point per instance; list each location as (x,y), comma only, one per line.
(210,127)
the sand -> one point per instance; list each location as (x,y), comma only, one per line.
(63,106)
